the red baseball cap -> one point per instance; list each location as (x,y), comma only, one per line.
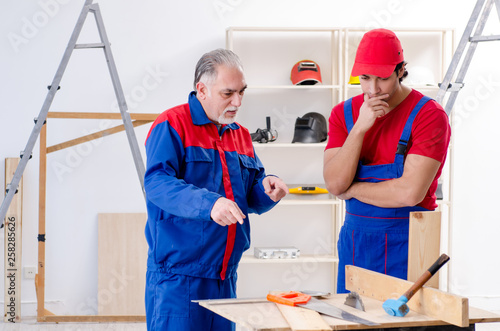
(378,54)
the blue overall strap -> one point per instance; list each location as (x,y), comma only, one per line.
(349,122)
(405,136)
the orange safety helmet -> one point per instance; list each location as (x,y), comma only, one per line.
(305,72)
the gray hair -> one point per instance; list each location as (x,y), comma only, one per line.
(206,68)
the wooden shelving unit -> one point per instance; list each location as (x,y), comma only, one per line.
(268,55)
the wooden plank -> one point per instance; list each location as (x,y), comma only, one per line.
(111,116)
(92,318)
(92,136)
(42,187)
(122,256)
(374,312)
(302,319)
(424,245)
(13,245)
(431,302)
(258,314)
(477,315)
(262,316)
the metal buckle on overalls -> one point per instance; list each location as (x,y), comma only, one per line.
(402,147)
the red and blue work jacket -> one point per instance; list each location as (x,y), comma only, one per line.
(190,164)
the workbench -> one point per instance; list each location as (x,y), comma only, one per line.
(260,314)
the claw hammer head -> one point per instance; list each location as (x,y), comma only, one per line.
(396,307)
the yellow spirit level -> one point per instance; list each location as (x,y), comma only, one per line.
(307,190)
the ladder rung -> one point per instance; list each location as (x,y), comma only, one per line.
(485,38)
(453,87)
(95,45)
(9,187)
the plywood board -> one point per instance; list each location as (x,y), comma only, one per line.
(302,319)
(427,301)
(424,245)
(122,264)
(263,315)
(259,315)
(13,245)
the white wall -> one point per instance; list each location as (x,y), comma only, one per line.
(156,45)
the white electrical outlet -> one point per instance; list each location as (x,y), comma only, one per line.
(29,272)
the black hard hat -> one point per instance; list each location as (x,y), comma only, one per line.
(310,128)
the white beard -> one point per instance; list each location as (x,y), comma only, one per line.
(226,120)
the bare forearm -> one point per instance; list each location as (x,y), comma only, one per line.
(407,190)
(340,164)
(339,167)
(387,194)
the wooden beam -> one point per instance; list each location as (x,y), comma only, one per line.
(252,315)
(92,136)
(98,116)
(302,319)
(298,318)
(428,301)
(42,180)
(13,245)
(260,315)
(424,245)
(93,318)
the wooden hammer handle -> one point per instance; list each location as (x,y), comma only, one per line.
(426,276)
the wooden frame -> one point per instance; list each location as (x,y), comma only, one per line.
(447,307)
(258,314)
(13,247)
(43,315)
(424,245)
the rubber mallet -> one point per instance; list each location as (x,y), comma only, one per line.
(398,307)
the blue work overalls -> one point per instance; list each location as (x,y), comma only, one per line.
(376,238)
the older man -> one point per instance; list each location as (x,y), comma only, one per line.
(203,178)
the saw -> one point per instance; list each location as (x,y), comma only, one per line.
(299,299)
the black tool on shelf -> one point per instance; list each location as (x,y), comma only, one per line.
(265,135)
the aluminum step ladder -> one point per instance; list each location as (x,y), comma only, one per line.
(470,39)
(40,120)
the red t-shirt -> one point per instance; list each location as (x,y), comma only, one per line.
(430,135)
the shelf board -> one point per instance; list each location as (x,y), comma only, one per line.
(299,202)
(424,86)
(289,145)
(248,259)
(294,87)
(416,87)
(424,30)
(282,29)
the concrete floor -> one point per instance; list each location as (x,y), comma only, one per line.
(30,324)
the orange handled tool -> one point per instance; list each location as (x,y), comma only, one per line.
(291,298)
(300,299)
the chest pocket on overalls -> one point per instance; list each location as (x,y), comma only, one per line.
(199,168)
(249,167)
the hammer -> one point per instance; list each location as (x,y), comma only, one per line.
(398,307)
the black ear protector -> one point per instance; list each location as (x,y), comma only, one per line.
(265,135)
